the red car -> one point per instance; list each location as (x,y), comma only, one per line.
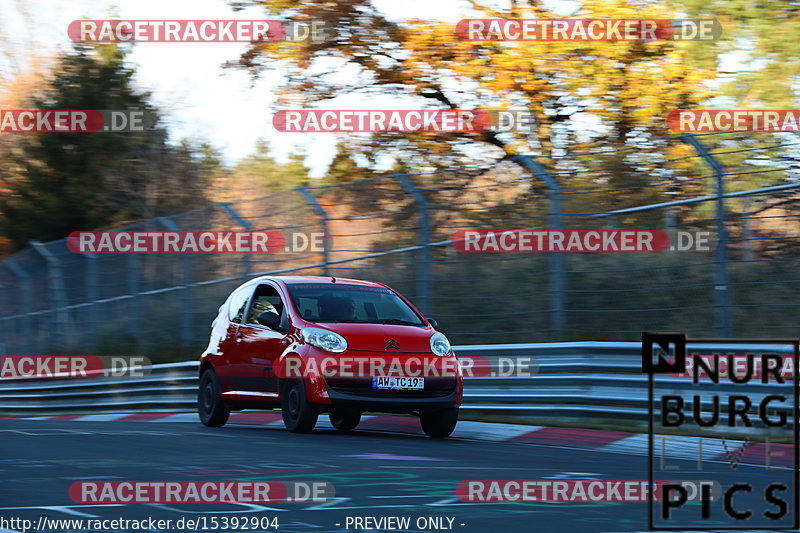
(313,345)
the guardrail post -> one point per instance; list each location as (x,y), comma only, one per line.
(424,239)
(60,299)
(558,314)
(722,302)
(23,305)
(323,219)
(244,224)
(186,295)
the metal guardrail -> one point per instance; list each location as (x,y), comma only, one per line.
(582,381)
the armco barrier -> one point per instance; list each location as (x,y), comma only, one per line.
(578,381)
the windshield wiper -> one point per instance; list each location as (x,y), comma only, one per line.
(398,321)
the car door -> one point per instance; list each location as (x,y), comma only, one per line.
(259,346)
(231,367)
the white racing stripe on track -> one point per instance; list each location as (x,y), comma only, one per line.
(468,429)
(179,417)
(102,418)
(674,446)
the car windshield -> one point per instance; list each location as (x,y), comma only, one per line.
(352,304)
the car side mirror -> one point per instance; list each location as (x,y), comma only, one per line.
(269,319)
(432,322)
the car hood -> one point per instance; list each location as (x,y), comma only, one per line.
(377,337)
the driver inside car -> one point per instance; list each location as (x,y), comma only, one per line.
(260,305)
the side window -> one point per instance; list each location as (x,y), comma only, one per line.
(266,299)
(238,304)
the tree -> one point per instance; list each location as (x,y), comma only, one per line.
(295,172)
(17,91)
(259,174)
(343,167)
(81,181)
(764,35)
(628,85)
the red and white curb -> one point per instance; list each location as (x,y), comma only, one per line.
(669,446)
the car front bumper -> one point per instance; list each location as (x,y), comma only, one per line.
(358,393)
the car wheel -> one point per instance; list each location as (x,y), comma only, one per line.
(299,416)
(212,410)
(440,423)
(344,419)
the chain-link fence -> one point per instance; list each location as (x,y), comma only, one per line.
(397,229)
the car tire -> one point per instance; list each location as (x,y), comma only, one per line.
(299,416)
(440,423)
(344,419)
(212,410)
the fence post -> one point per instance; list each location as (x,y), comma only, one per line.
(3,340)
(323,218)
(244,224)
(556,259)
(670,224)
(747,230)
(187,316)
(90,281)
(60,299)
(134,306)
(722,302)
(24,305)
(424,239)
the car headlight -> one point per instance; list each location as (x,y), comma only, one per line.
(440,345)
(324,339)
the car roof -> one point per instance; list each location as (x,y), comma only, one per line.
(324,280)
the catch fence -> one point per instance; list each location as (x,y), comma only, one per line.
(397,229)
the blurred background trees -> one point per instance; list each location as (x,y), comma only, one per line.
(596,105)
(599,108)
(64,182)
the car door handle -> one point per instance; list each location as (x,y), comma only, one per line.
(239,336)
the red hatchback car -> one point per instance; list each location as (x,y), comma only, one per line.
(313,345)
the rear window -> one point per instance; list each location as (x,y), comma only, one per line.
(352,303)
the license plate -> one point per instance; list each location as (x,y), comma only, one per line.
(398,383)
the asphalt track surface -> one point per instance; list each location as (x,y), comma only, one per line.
(374,473)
